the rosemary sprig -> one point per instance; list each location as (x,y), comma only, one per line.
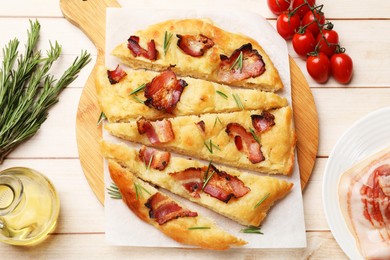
(138,190)
(206,175)
(101,118)
(237,63)
(217,120)
(139,89)
(254,134)
(252,230)
(262,200)
(28,90)
(238,101)
(210,146)
(138,100)
(113,191)
(167,41)
(222,94)
(193,228)
(150,162)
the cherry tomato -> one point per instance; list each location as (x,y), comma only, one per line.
(342,67)
(303,43)
(287,26)
(309,20)
(303,9)
(332,38)
(278,6)
(318,67)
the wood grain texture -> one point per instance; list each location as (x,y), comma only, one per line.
(90,17)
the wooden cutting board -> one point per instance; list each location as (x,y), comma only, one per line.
(90,17)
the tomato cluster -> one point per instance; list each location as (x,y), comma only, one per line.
(313,38)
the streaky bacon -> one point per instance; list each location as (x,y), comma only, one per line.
(137,50)
(252,65)
(158,160)
(202,126)
(263,122)
(164,209)
(114,76)
(224,186)
(194,46)
(157,131)
(376,197)
(164,91)
(192,179)
(245,142)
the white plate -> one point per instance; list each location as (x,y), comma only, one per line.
(366,137)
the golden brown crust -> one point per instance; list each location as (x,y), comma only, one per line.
(242,210)
(277,144)
(205,67)
(198,97)
(177,229)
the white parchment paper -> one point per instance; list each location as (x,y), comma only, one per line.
(284,226)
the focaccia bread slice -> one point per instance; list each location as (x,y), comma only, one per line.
(197,48)
(121,101)
(169,216)
(263,141)
(240,196)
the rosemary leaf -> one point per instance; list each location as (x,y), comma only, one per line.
(150,162)
(217,119)
(193,228)
(139,89)
(138,190)
(237,65)
(138,100)
(167,41)
(210,148)
(262,200)
(222,94)
(214,145)
(113,191)
(101,118)
(252,230)
(254,134)
(206,175)
(238,101)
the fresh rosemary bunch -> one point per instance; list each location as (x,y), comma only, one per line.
(28,90)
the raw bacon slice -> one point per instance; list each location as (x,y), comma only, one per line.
(164,209)
(252,65)
(137,50)
(157,159)
(157,132)
(114,76)
(194,46)
(245,142)
(263,122)
(164,91)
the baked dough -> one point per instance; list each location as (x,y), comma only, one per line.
(198,97)
(204,67)
(277,144)
(241,209)
(178,229)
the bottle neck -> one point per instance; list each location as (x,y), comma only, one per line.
(11,193)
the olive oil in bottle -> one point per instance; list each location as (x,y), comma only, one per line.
(29,206)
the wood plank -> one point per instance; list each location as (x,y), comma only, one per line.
(93,246)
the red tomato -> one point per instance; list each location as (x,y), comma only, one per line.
(287,26)
(278,6)
(332,38)
(318,67)
(312,25)
(303,9)
(342,67)
(303,43)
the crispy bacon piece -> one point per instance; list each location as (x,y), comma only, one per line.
(252,65)
(114,76)
(263,122)
(137,50)
(245,142)
(164,91)
(221,185)
(156,131)
(376,197)
(202,126)
(158,159)
(164,209)
(194,46)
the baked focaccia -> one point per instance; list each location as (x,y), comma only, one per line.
(157,95)
(240,196)
(197,48)
(169,216)
(263,141)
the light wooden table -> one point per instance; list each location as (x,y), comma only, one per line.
(364,29)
